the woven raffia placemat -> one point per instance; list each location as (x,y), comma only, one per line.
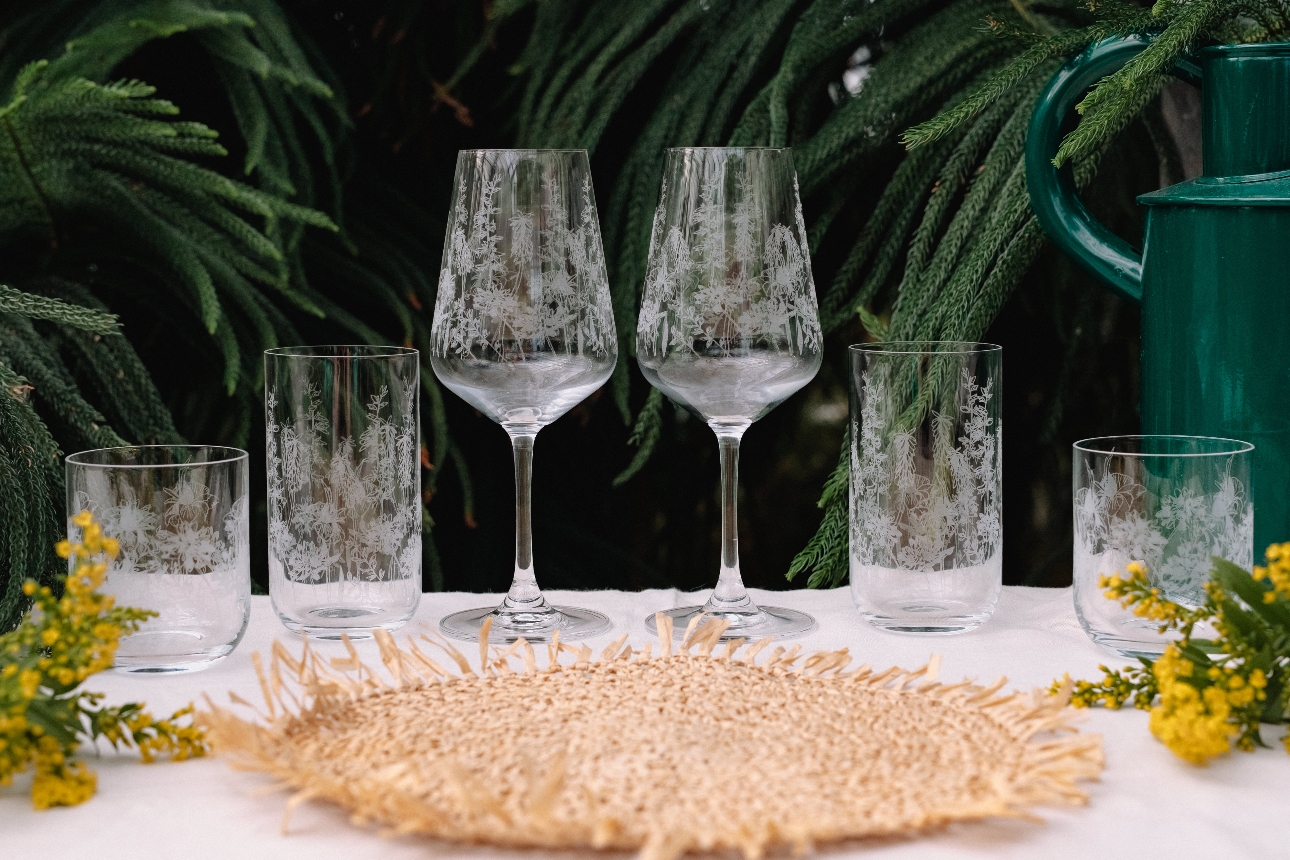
(705,748)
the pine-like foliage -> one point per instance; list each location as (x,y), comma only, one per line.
(106,193)
(42,338)
(100,176)
(951,233)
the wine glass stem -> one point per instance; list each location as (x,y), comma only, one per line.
(730,594)
(524,595)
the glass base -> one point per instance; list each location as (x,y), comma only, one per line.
(1131,648)
(935,619)
(157,666)
(768,621)
(573,623)
(932,627)
(155,652)
(1120,631)
(333,622)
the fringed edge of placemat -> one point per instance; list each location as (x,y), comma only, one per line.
(1051,765)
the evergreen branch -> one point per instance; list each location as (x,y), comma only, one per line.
(29,471)
(1119,97)
(1022,69)
(96,53)
(827,28)
(891,217)
(110,365)
(645,435)
(38,307)
(893,96)
(627,74)
(826,553)
(27,354)
(913,316)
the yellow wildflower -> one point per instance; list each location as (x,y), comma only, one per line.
(29,683)
(65,785)
(1194,725)
(1276,573)
(59,644)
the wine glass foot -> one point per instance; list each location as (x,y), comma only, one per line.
(775,622)
(573,623)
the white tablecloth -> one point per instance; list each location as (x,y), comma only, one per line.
(1148,804)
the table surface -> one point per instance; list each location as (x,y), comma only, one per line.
(1148,802)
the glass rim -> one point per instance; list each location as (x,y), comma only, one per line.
(533,149)
(1233,446)
(315,351)
(231,455)
(926,347)
(730,149)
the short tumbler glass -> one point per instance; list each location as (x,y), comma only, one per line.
(1169,502)
(180,515)
(344,487)
(926,484)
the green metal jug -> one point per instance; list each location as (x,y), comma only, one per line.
(1214,273)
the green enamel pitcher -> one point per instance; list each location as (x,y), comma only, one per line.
(1213,276)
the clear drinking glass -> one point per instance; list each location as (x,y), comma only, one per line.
(926,484)
(728,326)
(180,514)
(344,487)
(1170,502)
(523,331)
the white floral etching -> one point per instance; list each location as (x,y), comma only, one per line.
(519,279)
(186,536)
(353,513)
(1174,535)
(902,517)
(706,286)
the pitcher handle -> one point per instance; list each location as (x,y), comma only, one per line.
(1061,213)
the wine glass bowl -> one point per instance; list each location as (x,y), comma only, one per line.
(523,331)
(728,325)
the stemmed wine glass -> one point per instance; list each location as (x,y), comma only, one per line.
(523,331)
(729,327)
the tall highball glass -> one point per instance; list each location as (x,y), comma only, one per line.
(926,484)
(344,487)
(523,331)
(1169,502)
(729,327)
(180,515)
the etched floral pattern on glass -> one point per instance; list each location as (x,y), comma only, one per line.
(926,528)
(343,487)
(723,272)
(523,263)
(1169,502)
(523,330)
(729,327)
(180,516)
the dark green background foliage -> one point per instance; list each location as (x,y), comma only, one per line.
(184,184)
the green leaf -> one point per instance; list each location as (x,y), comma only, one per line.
(1236,580)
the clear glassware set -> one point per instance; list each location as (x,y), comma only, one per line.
(728,328)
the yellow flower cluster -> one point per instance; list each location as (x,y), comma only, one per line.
(1206,695)
(1277,573)
(62,641)
(59,782)
(1197,710)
